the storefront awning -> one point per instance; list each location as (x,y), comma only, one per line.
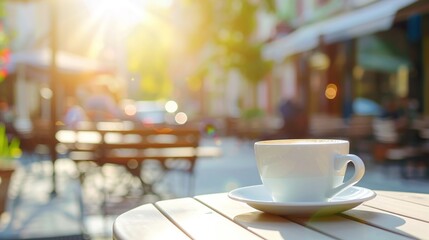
(377,52)
(66,62)
(375,17)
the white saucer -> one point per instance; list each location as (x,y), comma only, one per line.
(258,197)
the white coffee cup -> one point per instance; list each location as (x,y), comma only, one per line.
(306,170)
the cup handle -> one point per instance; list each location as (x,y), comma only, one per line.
(358,174)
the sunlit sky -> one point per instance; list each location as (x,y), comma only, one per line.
(85,27)
(113,21)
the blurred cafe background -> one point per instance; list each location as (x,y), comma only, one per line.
(238,71)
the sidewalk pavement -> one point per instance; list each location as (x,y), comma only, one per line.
(35,214)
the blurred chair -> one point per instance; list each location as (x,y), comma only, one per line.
(360,133)
(325,126)
(389,149)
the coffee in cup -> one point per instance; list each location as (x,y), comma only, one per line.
(306,170)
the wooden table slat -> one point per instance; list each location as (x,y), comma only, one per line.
(400,207)
(344,228)
(391,215)
(146,222)
(347,228)
(391,222)
(418,198)
(201,222)
(266,225)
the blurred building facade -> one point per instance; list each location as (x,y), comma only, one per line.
(29,25)
(329,53)
(326,55)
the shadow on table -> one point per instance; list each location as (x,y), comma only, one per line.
(350,223)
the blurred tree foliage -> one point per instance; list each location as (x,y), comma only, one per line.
(226,30)
(149,51)
(148,57)
(218,34)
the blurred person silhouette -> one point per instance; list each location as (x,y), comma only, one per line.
(403,112)
(407,114)
(397,110)
(392,112)
(100,105)
(74,113)
(390,108)
(295,121)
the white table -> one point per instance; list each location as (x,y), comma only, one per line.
(390,215)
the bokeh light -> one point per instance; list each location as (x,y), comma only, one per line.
(130,109)
(171,106)
(181,118)
(331,91)
(46,93)
(319,61)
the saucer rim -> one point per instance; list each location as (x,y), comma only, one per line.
(301,204)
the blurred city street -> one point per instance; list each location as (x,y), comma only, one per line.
(124,95)
(35,215)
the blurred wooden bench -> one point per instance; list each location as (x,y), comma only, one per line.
(131,148)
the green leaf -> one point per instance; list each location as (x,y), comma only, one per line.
(8,151)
